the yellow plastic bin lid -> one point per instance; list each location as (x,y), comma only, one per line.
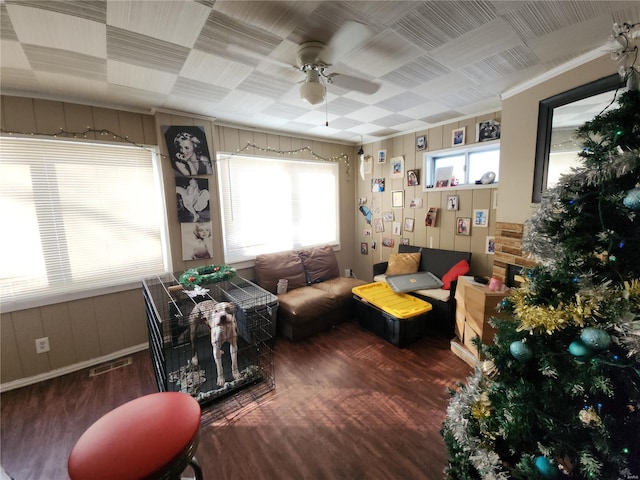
(400,305)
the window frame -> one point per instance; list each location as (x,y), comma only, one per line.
(429,161)
(15,303)
(248,260)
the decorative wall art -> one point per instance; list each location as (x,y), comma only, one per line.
(413,178)
(463,226)
(188,150)
(366,165)
(490,247)
(487,131)
(408,224)
(432,216)
(197,242)
(397,167)
(382,156)
(453,202)
(397,199)
(364,248)
(366,212)
(404,241)
(397,228)
(415,203)
(377,184)
(378,225)
(193,199)
(421,142)
(387,216)
(366,232)
(481,218)
(458,136)
(388,242)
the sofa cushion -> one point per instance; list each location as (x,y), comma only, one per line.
(340,288)
(305,304)
(460,268)
(320,264)
(403,263)
(271,267)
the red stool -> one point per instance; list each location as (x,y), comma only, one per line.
(151,437)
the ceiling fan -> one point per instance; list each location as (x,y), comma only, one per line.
(314,59)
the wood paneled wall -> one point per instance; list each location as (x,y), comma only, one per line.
(443,235)
(88,330)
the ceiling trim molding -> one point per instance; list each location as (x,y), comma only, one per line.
(559,70)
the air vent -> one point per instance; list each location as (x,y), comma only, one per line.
(108,367)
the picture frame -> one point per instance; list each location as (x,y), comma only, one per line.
(404,241)
(415,203)
(480,217)
(378,225)
(397,167)
(453,202)
(421,142)
(382,156)
(367,165)
(397,199)
(458,136)
(463,226)
(387,216)
(413,178)
(490,245)
(396,229)
(367,232)
(431,218)
(364,248)
(388,242)
(377,185)
(408,224)
(488,131)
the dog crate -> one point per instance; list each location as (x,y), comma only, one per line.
(181,348)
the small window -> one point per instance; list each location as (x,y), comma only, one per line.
(455,167)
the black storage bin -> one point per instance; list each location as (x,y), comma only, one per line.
(398,331)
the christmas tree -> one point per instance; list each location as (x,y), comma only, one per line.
(558,393)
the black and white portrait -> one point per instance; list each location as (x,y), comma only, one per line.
(188,150)
(193,200)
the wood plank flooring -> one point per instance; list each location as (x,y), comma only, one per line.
(347,405)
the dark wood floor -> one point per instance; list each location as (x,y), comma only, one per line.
(347,405)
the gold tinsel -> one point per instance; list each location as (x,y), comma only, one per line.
(482,408)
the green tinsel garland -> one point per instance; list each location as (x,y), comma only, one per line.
(205,275)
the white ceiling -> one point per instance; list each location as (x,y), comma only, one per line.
(436,61)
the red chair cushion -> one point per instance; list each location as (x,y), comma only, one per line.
(460,268)
(136,439)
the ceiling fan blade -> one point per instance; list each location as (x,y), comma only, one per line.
(245,52)
(349,37)
(353,83)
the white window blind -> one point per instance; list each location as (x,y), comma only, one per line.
(76,217)
(272,204)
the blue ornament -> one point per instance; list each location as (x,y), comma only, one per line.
(520,350)
(595,338)
(579,349)
(632,200)
(545,467)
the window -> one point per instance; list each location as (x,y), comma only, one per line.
(272,204)
(76,217)
(451,168)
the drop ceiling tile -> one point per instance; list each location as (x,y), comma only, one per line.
(6,27)
(416,72)
(385,132)
(89,10)
(368,114)
(173,22)
(242,104)
(402,101)
(188,88)
(344,106)
(344,123)
(136,49)
(27,80)
(391,120)
(215,70)
(66,63)
(442,117)
(13,55)
(55,30)
(265,85)
(139,77)
(190,104)
(489,39)
(504,63)
(442,86)
(285,111)
(72,87)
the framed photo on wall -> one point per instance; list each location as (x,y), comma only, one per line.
(487,131)
(490,248)
(453,202)
(457,136)
(382,156)
(463,226)
(397,199)
(408,224)
(481,218)
(364,248)
(397,167)
(413,178)
(421,142)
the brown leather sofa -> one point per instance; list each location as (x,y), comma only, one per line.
(317,297)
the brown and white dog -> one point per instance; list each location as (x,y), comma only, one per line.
(220,317)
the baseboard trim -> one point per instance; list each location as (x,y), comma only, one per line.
(58,372)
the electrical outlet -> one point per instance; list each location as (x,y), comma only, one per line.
(42,345)
(347,272)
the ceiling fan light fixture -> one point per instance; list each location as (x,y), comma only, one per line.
(312,91)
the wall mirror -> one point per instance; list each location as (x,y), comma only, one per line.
(558,118)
